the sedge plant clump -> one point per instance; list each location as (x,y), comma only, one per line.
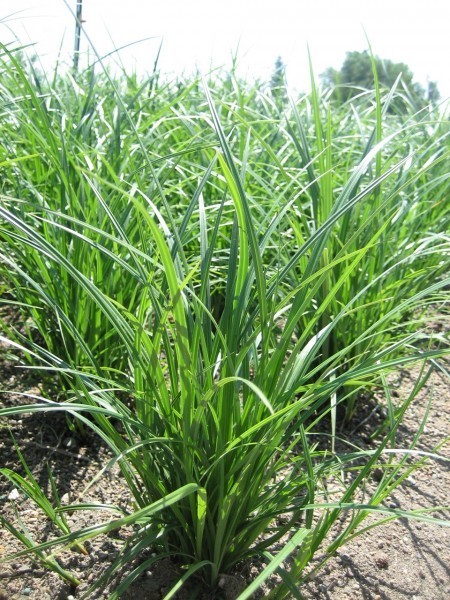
(223,280)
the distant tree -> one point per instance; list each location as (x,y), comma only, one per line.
(278,83)
(433,94)
(356,74)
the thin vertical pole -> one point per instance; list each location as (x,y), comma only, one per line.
(78,21)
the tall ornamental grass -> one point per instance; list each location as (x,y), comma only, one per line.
(223,279)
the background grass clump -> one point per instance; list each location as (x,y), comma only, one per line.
(223,273)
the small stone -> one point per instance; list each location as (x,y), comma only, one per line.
(26,591)
(382,561)
(377,475)
(14,494)
(71,597)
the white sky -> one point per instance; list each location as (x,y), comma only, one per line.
(205,33)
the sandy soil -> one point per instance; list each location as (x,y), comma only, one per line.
(398,561)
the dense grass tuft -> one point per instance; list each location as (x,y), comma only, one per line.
(224,275)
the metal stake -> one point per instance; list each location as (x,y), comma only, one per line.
(78,21)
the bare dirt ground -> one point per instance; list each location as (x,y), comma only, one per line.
(401,560)
(404,559)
